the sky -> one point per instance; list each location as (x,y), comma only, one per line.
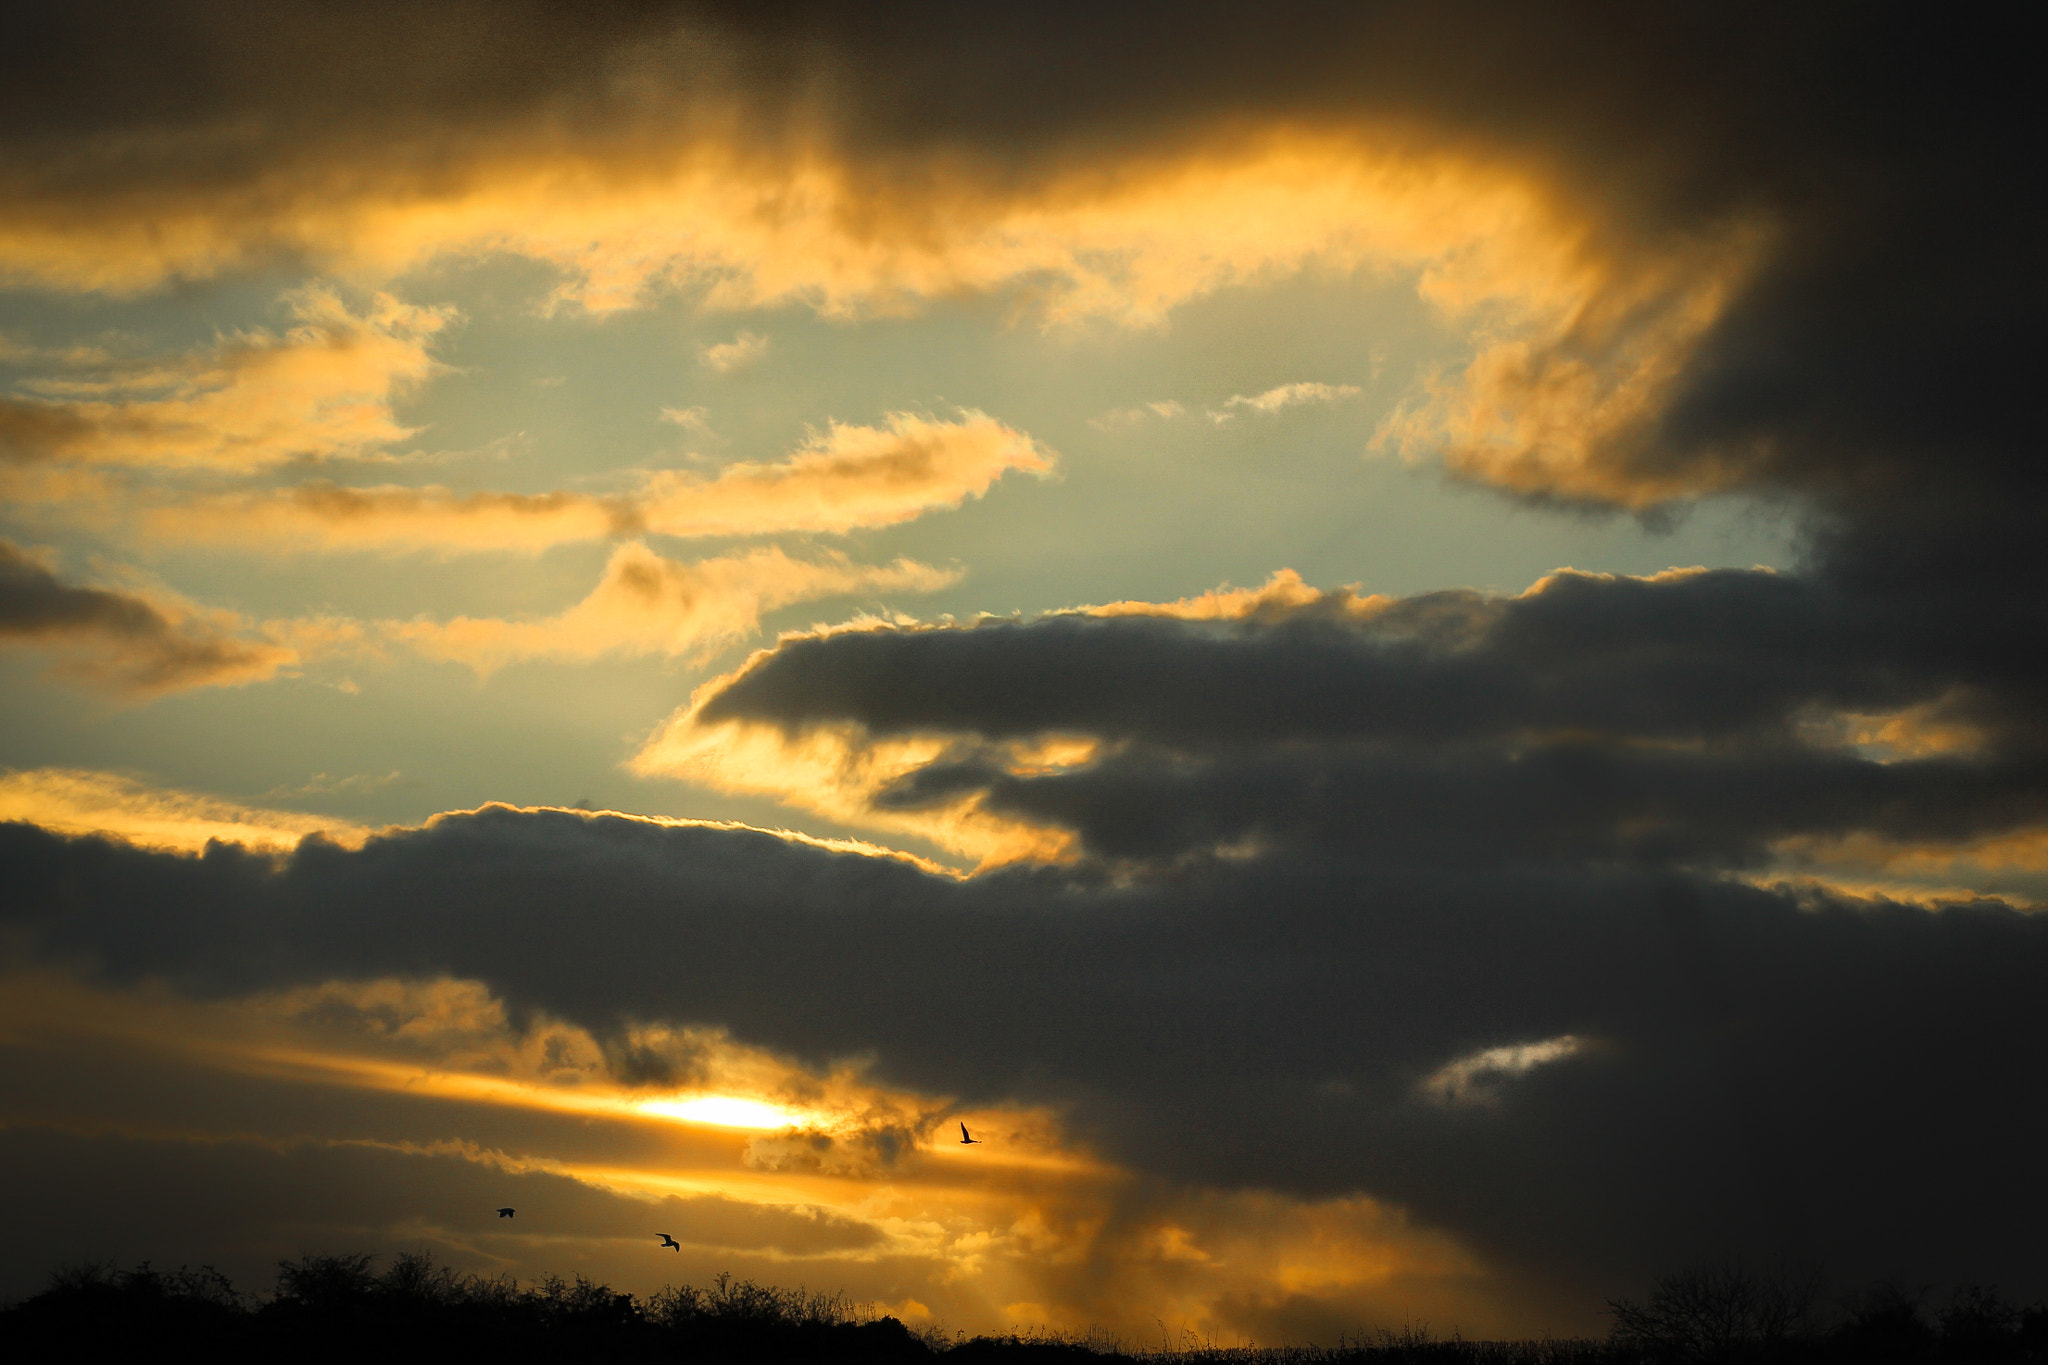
(1386,643)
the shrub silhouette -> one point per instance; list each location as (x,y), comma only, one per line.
(341,1308)
(1885,1324)
(1719,1312)
(337,1308)
(1724,1313)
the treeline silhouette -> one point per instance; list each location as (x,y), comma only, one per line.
(340,1308)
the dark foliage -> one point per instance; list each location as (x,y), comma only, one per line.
(337,1308)
(1726,1314)
(341,1308)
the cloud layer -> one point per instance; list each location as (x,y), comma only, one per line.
(1680,256)
(1551,938)
(1744,1048)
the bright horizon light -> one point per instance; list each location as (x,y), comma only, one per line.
(722,1111)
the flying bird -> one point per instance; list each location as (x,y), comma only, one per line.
(964,1135)
(504,1213)
(670,1242)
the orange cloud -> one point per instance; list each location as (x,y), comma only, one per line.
(647,604)
(1570,407)
(1283,594)
(1580,325)
(2012,866)
(844,478)
(253,400)
(1025,1229)
(324,516)
(838,771)
(78,801)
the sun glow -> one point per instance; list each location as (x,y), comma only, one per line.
(723,1111)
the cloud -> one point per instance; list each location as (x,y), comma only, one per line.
(1476,1079)
(222,1115)
(77,801)
(1117,418)
(126,642)
(1283,396)
(1261,863)
(689,419)
(1664,279)
(1593,716)
(634,185)
(1252,718)
(254,399)
(1426,757)
(1268,1022)
(647,604)
(743,351)
(845,478)
(321,515)
(362,784)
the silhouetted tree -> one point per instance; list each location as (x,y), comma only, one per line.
(1978,1325)
(1884,1325)
(1717,1312)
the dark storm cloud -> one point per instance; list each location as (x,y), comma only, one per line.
(1778,1072)
(1680,718)
(1718,655)
(118,639)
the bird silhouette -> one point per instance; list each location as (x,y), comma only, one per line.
(504,1213)
(964,1138)
(671,1243)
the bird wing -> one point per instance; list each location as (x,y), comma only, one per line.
(963,1134)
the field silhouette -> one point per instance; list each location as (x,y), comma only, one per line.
(336,1308)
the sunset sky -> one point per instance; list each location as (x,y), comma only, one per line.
(1392,644)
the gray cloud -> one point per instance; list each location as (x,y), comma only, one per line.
(1681,719)
(1698,656)
(119,639)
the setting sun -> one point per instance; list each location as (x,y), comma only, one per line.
(722,1111)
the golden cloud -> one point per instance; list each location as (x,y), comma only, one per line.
(80,801)
(1025,1229)
(647,604)
(1581,325)
(844,478)
(254,399)
(839,769)
(1570,407)
(325,516)
(1282,594)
